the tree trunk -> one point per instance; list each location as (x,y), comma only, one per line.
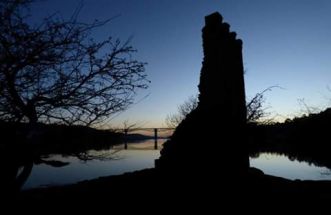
(31,113)
(33,132)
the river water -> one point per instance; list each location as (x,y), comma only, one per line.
(137,156)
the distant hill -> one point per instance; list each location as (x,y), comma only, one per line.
(304,138)
(139,137)
(53,138)
(312,128)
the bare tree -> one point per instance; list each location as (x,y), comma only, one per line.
(255,109)
(172,120)
(307,109)
(55,72)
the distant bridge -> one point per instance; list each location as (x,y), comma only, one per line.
(155,130)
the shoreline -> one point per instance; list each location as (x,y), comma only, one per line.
(154,182)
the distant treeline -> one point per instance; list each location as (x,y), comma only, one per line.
(303,138)
(55,138)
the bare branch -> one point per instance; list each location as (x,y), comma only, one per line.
(172,120)
(255,109)
(255,106)
(56,73)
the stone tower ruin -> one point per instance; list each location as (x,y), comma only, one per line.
(212,137)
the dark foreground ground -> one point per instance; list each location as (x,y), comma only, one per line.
(153,188)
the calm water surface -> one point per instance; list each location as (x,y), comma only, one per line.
(139,156)
(115,161)
(281,165)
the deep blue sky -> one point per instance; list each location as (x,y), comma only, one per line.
(286,43)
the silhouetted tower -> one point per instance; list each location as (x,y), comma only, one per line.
(212,137)
(221,81)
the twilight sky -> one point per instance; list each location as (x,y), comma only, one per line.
(285,43)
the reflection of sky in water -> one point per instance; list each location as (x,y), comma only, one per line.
(280,165)
(142,155)
(137,156)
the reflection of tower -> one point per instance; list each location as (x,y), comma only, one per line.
(212,136)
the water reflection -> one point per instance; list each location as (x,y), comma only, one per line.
(17,164)
(34,171)
(14,172)
(93,164)
(283,166)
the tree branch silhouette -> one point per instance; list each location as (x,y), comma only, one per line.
(55,72)
(255,109)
